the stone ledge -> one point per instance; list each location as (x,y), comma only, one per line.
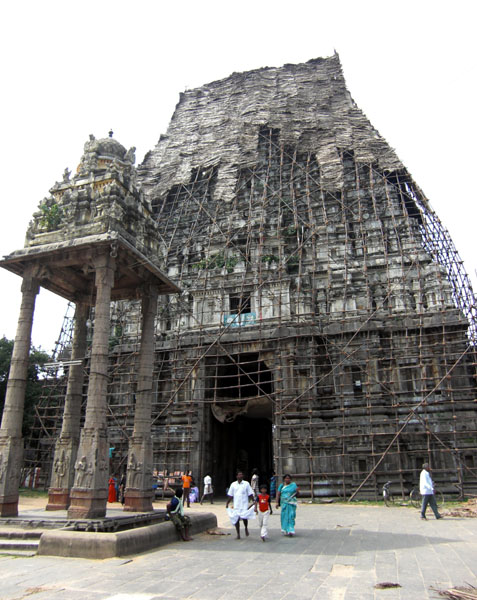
(80,544)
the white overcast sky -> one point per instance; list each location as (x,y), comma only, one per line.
(70,68)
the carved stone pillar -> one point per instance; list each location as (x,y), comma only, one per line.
(11,443)
(66,447)
(90,490)
(139,492)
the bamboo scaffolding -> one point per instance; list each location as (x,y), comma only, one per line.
(325,289)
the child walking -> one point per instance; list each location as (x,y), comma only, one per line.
(263,508)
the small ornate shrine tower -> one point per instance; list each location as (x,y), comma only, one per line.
(93,241)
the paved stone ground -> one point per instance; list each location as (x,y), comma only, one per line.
(339,553)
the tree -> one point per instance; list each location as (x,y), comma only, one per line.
(34,383)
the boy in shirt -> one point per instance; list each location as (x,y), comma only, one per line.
(264,509)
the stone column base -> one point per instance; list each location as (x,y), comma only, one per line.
(87,504)
(9,506)
(58,499)
(138,501)
(11,461)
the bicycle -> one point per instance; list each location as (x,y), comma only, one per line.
(387,495)
(416,498)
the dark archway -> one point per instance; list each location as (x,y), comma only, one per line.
(243,444)
(241,389)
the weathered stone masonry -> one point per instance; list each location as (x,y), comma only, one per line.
(321,294)
(325,325)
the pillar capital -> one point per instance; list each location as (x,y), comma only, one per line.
(104,260)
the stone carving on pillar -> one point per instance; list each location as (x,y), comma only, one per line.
(135,472)
(90,491)
(11,455)
(91,469)
(82,470)
(11,443)
(67,444)
(139,493)
(60,467)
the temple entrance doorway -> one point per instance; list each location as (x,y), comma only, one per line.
(243,444)
(240,388)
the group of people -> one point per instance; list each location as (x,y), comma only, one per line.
(188,485)
(252,499)
(248,501)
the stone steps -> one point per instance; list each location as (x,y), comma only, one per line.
(19,542)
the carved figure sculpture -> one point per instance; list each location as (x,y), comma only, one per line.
(131,155)
(80,467)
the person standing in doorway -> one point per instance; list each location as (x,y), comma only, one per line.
(254,482)
(426,487)
(208,490)
(186,485)
(263,510)
(242,494)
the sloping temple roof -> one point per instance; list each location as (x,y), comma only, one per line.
(219,124)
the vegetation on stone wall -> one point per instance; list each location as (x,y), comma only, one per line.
(269,258)
(218,261)
(51,216)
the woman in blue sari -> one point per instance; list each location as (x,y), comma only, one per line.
(286,499)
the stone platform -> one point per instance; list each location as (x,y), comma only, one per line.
(116,535)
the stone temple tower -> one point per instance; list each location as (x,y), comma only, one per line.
(325,326)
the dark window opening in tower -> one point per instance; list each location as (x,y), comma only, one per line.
(240,305)
(324,385)
(469,464)
(357,377)
(407,194)
(268,142)
(354,380)
(409,378)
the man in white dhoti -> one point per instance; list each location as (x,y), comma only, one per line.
(242,494)
(208,490)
